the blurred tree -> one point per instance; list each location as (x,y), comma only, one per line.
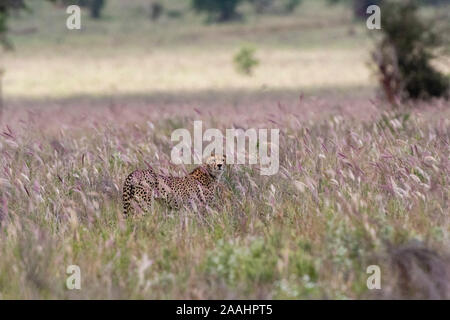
(156,9)
(276,6)
(95,6)
(6,6)
(262,6)
(433,2)
(226,10)
(291,5)
(359,7)
(217,10)
(404,54)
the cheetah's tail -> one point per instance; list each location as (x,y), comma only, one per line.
(127,194)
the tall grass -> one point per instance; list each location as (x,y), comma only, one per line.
(348,193)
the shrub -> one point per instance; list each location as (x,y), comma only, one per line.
(96,7)
(156,9)
(239,264)
(245,60)
(291,5)
(3,16)
(217,10)
(285,6)
(405,52)
(359,7)
(6,6)
(262,6)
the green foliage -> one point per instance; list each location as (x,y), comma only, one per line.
(291,5)
(405,52)
(262,6)
(266,6)
(156,10)
(235,264)
(6,6)
(245,60)
(433,2)
(359,7)
(96,7)
(3,28)
(217,10)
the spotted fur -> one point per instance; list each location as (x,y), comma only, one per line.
(141,187)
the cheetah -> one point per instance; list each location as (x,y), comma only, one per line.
(199,187)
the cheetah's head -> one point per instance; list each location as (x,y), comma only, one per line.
(216,165)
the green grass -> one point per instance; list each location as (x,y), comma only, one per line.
(303,233)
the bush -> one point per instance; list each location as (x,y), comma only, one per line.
(245,60)
(291,5)
(217,10)
(156,9)
(6,6)
(242,264)
(433,2)
(96,7)
(359,7)
(266,6)
(405,52)
(262,6)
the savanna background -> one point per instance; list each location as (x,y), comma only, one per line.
(363,180)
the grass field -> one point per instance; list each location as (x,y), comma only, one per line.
(357,186)
(101,59)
